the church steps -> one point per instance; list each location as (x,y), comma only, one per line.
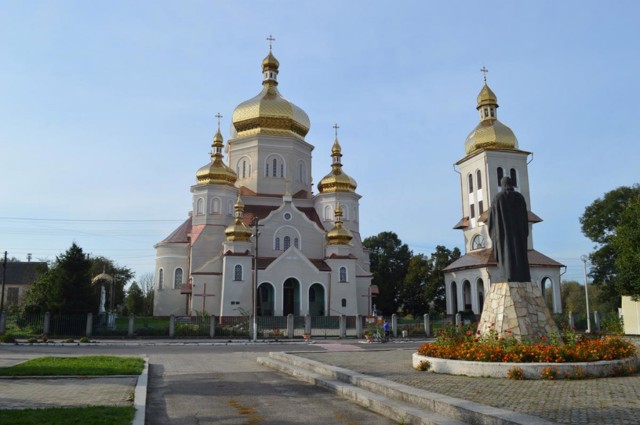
(371,392)
(379,403)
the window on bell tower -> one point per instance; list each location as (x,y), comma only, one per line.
(514,177)
(500,176)
(470,180)
(479,179)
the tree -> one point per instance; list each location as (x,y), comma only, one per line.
(65,288)
(600,223)
(389,260)
(146,285)
(626,245)
(412,294)
(435,287)
(134,299)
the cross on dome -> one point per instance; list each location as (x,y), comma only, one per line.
(218,116)
(271,40)
(336,127)
(484,70)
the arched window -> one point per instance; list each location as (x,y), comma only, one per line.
(215,205)
(302,175)
(473,210)
(160,279)
(500,175)
(287,242)
(244,169)
(295,243)
(275,167)
(282,170)
(479,179)
(470,179)
(328,212)
(200,206)
(514,177)
(177,278)
(237,272)
(480,208)
(277,244)
(344,302)
(266,170)
(343,274)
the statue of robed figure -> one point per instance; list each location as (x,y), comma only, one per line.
(509,230)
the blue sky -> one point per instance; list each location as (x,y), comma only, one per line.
(107,109)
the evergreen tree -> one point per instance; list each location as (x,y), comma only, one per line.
(134,300)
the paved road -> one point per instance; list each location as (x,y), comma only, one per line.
(224,385)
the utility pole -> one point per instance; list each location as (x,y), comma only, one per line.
(4,278)
(254,289)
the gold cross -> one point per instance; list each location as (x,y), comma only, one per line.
(271,39)
(484,70)
(218,116)
(336,127)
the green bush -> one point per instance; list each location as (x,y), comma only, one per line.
(8,338)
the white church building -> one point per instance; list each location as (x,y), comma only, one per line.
(492,152)
(307,257)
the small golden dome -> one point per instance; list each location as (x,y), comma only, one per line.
(337,180)
(490,133)
(269,112)
(238,231)
(339,235)
(216,172)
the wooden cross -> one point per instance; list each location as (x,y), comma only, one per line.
(204,296)
(484,70)
(336,127)
(271,39)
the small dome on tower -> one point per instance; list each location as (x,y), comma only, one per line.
(339,235)
(238,231)
(216,172)
(490,133)
(337,180)
(269,112)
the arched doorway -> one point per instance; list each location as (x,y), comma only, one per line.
(265,299)
(454,298)
(291,297)
(480,296)
(546,287)
(466,294)
(316,300)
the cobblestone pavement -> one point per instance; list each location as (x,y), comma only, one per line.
(590,401)
(26,393)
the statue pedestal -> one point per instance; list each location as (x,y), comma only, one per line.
(516,309)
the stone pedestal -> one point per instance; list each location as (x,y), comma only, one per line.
(517,309)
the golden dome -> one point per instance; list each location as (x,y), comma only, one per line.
(216,172)
(337,180)
(269,112)
(490,133)
(339,235)
(238,231)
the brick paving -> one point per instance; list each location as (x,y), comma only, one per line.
(589,401)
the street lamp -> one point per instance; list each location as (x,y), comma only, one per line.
(254,289)
(586,291)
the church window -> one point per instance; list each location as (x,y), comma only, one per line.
(514,177)
(177,278)
(302,175)
(479,179)
(470,179)
(480,207)
(343,274)
(344,302)
(200,206)
(328,212)
(473,211)
(493,113)
(282,170)
(275,167)
(500,175)
(237,272)
(345,212)
(266,174)
(295,243)
(160,279)
(277,244)
(486,112)
(230,207)
(244,169)
(215,206)
(287,242)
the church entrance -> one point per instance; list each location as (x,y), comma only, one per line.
(466,294)
(316,300)
(291,297)
(265,299)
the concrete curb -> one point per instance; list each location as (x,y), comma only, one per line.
(411,398)
(140,395)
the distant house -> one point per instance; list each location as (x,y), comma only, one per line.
(18,279)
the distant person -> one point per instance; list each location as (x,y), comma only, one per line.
(509,230)
(386,328)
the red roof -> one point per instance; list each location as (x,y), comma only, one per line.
(484,258)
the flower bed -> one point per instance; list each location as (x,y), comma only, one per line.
(458,349)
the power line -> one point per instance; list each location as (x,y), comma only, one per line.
(91,220)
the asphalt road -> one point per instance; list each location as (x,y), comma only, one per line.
(194,384)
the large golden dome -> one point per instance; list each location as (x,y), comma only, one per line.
(269,112)
(489,133)
(337,180)
(216,172)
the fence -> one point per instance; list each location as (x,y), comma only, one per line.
(268,327)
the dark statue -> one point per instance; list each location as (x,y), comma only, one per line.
(509,230)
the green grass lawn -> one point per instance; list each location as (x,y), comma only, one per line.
(83,366)
(93,415)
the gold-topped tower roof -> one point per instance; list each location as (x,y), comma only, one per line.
(337,180)
(216,172)
(490,133)
(238,231)
(269,112)
(339,235)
